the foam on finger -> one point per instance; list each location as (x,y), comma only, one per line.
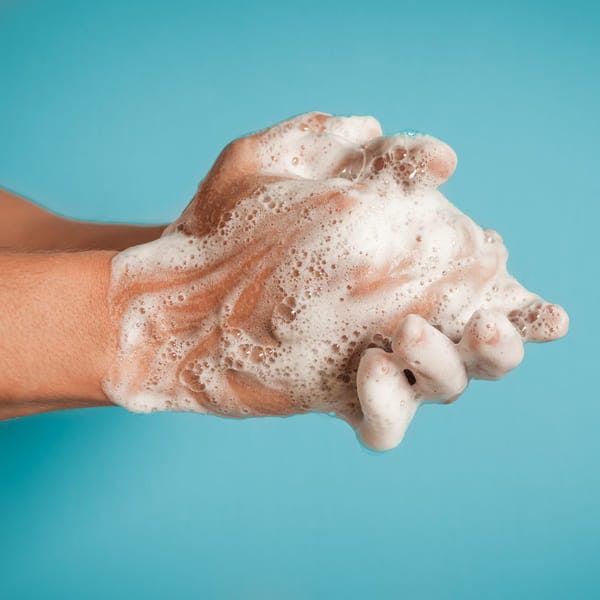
(540,321)
(358,130)
(387,400)
(490,346)
(435,366)
(412,160)
(338,287)
(316,146)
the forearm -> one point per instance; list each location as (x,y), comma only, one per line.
(56,338)
(26,227)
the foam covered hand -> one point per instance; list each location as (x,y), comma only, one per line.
(318,268)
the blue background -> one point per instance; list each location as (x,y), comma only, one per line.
(114,110)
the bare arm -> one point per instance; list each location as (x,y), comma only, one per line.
(24,226)
(56,338)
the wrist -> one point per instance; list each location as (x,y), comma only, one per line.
(57,339)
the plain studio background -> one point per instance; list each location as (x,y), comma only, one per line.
(116,109)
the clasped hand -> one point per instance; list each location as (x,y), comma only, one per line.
(318,268)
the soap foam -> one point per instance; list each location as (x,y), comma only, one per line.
(271,311)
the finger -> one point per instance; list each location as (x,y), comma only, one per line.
(410,160)
(386,399)
(315,146)
(234,176)
(433,363)
(540,321)
(490,346)
(355,129)
(358,130)
(315,156)
(252,152)
(266,152)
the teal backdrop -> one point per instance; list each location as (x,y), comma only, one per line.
(114,110)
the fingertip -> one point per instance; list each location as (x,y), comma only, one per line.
(561,324)
(443,164)
(552,323)
(541,322)
(413,160)
(374,440)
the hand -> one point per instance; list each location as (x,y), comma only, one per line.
(318,269)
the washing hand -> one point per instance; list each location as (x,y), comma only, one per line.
(318,268)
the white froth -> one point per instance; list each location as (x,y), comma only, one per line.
(320,239)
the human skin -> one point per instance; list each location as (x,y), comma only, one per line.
(237,309)
(56,340)
(72,314)
(27,227)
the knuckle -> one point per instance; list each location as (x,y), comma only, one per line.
(239,147)
(491,346)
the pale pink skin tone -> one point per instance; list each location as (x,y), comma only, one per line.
(232,300)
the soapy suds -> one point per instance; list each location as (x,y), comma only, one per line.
(340,280)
